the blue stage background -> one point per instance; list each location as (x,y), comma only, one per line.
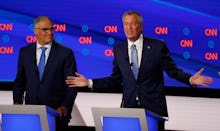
(91,28)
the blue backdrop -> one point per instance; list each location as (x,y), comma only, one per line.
(91,28)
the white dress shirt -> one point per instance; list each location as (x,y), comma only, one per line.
(39,51)
(139,47)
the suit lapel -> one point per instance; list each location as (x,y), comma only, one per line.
(145,54)
(33,63)
(50,60)
(124,52)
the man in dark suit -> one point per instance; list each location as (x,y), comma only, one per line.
(41,74)
(139,63)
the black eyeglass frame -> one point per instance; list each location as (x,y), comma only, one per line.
(46,29)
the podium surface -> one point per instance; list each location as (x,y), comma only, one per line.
(129,119)
(27,117)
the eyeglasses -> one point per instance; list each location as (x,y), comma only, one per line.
(46,29)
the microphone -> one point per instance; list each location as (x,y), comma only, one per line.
(131,64)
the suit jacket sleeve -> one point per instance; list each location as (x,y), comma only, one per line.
(69,69)
(113,82)
(20,81)
(171,68)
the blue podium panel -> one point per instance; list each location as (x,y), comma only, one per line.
(28,118)
(121,124)
(128,124)
(152,123)
(21,122)
(51,121)
(119,119)
(125,119)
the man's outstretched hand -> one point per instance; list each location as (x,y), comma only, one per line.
(198,79)
(77,81)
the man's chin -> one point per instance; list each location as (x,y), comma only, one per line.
(132,38)
(129,36)
(49,40)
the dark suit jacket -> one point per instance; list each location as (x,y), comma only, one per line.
(52,89)
(149,86)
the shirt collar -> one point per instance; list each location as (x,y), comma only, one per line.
(47,45)
(138,42)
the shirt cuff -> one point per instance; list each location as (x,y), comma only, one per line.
(90,83)
(190,81)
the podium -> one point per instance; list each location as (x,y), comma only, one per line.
(27,118)
(129,119)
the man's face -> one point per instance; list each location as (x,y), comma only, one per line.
(44,31)
(132,27)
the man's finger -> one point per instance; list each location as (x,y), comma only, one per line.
(200,71)
(70,77)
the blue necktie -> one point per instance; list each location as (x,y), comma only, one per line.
(42,62)
(134,60)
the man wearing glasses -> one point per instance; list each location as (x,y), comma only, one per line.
(42,69)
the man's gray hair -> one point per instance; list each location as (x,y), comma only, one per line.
(140,18)
(38,19)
